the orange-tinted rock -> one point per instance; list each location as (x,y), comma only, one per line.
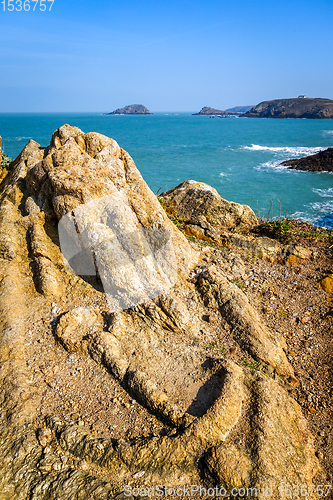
(327,284)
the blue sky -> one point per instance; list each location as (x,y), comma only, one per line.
(170,56)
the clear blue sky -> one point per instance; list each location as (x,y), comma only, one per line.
(174,55)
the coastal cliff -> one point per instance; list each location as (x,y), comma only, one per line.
(320,162)
(302,107)
(148,341)
(131,109)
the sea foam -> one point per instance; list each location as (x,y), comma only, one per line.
(293,150)
(325,193)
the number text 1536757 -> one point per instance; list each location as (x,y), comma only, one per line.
(26,5)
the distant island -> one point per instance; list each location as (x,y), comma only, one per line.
(240,109)
(212,111)
(300,107)
(132,109)
(320,162)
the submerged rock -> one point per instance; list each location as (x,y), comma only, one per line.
(154,351)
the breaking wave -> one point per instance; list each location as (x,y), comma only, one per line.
(325,193)
(293,150)
(273,164)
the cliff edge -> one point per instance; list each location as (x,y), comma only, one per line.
(301,107)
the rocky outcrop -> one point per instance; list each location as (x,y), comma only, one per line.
(293,108)
(68,212)
(206,110)
(240,109)
(131,109)
(320,162)
(203,210)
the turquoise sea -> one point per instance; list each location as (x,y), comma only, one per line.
(240,157)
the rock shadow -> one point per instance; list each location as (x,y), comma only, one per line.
(207,395)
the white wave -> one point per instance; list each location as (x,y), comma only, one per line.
(14,139)
(273,164)
(323,207)
(325,193)
(294,150)
(222,174)
(328,132)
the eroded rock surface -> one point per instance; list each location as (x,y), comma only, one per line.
(216,421)
(202,208)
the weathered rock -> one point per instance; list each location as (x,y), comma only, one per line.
(327,284)
(301,252)
(76,326)
(201,205)
(293,108)
(151,350)
(320,162)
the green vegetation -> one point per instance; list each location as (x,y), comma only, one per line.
(238,283)
(220,349)
(160,199)
(291,231)
(6,161)
(178,222)
(253,365)
(205,243)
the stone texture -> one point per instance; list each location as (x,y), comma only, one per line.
(320,162)
(153,351)
(199,204)
(327,284)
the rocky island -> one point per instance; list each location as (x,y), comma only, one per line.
(240,109)
(131,109)
(320,162)
(301,107)
(149,340)
(206,110)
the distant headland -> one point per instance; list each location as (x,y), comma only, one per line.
(206,110)
(299,107)
(237,110)
(132,109)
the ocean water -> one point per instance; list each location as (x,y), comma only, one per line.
(240,157)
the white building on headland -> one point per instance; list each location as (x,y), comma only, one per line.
(302,97)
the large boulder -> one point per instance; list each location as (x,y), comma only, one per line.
(199,204)
(100,394)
